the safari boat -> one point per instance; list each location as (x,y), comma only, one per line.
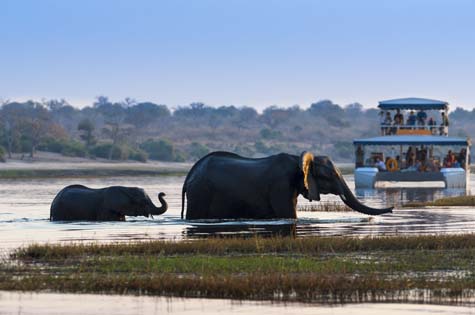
(414,148)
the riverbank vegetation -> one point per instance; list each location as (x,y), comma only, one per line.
(135,130)
(313,269)
(467,201)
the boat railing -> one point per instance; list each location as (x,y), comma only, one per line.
(392,129)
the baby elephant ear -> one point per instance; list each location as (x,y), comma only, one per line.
(307,166)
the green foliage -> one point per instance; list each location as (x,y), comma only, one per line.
(138,155)
(103,150)
(2,154)
(162,150)
(65,147)
(87,127)
(198,150)
(267,133)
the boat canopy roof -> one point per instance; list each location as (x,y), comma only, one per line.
(412,140)
(413,103)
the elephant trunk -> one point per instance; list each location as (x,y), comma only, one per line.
(350,200)
(163,208)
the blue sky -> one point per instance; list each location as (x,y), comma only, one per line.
(247,52)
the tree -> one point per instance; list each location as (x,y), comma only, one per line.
(34,124)
(9,120)
(143,114)
(87,127)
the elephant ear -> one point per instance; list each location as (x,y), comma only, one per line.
(307,165)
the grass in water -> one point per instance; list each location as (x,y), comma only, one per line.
(317,269)
(444,202)
(326,207)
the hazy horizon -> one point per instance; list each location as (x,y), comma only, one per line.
(243,53)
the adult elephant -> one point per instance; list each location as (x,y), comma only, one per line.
(224,185)
(78,202)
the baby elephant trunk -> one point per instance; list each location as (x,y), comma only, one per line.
(163,208)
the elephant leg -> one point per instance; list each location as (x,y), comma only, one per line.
(283,200)
(109,215)
(198,203)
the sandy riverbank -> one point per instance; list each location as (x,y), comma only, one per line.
(47,164)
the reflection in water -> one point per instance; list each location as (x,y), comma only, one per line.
(88,304)
(24,213)
(400,196)
(234,229)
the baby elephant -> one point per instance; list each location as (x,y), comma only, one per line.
(78,202)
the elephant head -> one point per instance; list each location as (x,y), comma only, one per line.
(139,203)
(322,177)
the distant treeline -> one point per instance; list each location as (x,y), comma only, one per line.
(144,130)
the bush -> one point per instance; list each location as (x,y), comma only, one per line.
(267,133)
(138,155)
(162,150)
(118,152)
(2,154)
(198,150)
(65,147)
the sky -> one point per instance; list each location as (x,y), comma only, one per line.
(238,52)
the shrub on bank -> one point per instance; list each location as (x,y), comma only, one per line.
(162,150)
(138,155)
(103,151)
(198,150)
(65,147)
(2,154)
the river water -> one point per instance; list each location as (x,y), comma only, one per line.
(16,303)
(24,215)
(24,219)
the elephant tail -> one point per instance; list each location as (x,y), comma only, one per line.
(183,191)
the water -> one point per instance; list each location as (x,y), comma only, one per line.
(88,304)
(24,213)
(24,219)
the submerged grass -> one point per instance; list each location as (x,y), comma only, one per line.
(326,207)
(444,202)
(256,245)
(305,269)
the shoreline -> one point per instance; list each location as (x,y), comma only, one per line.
(54,165)
(49,165)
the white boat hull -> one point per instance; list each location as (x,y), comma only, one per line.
(370,177)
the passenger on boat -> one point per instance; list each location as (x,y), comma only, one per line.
(431,123)
(382,118)
(449,160)
(387,124)
(462,157)
(410,157)
(421,154)
(380,164)
(398,118)
(359,156)
(411,120)
(418,166)
(421,118)
(432,166)
(444,126)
